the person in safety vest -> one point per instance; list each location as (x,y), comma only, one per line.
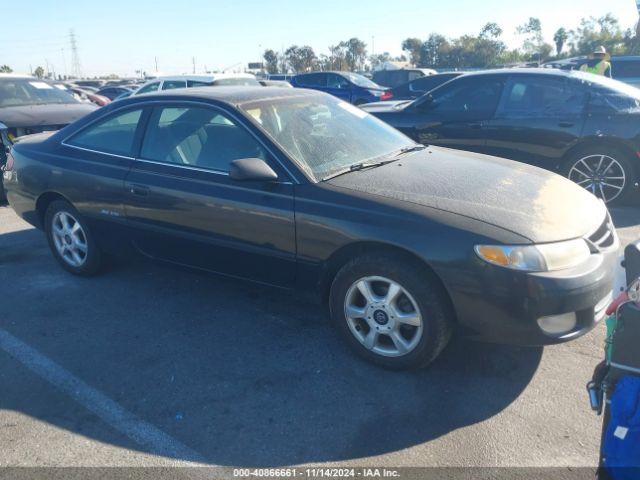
(598,63)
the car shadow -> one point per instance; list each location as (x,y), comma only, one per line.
(243,374)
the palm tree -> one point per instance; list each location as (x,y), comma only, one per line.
(560,38)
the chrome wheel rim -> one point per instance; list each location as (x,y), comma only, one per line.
(383,316)
(602,175)
(69,239)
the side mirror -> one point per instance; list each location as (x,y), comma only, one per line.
(252,170)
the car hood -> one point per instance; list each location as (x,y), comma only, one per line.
(531,202)
(41,115)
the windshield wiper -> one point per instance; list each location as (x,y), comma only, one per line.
(356,167)
(413,148)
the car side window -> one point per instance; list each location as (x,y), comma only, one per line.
(152,87)
(197,137)
(337,81)
(171,84)
(541,96)
(313,80)
(425,84)
(197,83)
(113,135)
(470,99)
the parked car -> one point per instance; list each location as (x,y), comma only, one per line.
(190,81)
(90,83)
(581,125)
(304,191)
(29,105)
(113,92)
(351,87)
(397,77)
(625,68)
(418,87)
(90,96)
(280,77)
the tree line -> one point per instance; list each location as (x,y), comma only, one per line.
(482,50)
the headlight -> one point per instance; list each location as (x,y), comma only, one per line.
(536,258)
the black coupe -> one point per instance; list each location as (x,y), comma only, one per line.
(301,190)
(580,125)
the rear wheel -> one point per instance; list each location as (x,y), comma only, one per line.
(70,240)
(605,172)
(390,312)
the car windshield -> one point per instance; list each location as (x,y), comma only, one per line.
(20,91)
(361,81)
(324,135)
(243,82)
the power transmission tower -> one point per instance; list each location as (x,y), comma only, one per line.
(76,68)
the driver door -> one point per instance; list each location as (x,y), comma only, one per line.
(184,208)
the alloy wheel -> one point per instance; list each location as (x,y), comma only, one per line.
(602,175)
(69,239)
(383,316)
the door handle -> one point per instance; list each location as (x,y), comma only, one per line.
(476,126)
(566,124)
(139,190)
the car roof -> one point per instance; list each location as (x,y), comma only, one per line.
(232,95)
(204,78)
(525,71)
(338,72)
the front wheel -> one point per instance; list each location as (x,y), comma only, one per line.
(390,312)
(70,240)
(605,172)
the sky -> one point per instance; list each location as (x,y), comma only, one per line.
(122,36)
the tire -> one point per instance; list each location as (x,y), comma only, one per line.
(359,102)
(422,294)
(60,227)
(576,168)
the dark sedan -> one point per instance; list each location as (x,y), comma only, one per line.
(347,86)
(583,126)
(302,191)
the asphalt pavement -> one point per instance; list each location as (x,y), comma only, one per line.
(150,366)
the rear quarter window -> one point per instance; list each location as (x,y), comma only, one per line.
(114,135)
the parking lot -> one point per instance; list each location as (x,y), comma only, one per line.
(149,366)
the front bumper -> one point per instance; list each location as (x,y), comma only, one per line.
(504,306)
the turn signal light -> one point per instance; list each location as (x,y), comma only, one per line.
(494,255)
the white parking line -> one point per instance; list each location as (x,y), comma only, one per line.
(146,435)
